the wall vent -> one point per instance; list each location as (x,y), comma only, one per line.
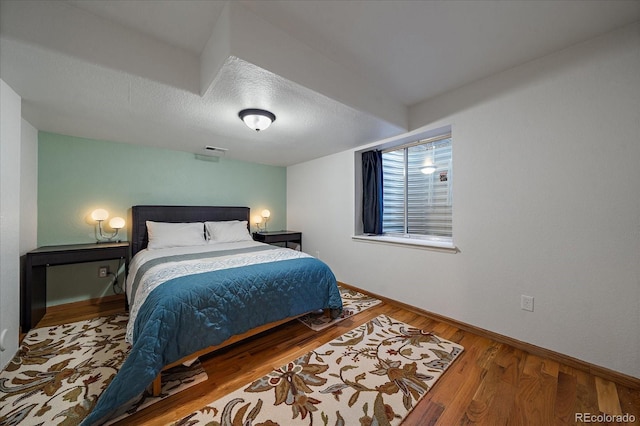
(214,150)
(211,153)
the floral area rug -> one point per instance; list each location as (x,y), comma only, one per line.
(373,374)
(60,371)
(353,302)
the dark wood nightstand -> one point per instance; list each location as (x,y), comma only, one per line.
(278,237)
(34,291)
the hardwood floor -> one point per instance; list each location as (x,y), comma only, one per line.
(491,383)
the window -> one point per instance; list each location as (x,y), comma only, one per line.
(417,196)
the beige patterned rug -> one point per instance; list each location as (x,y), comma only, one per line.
(59,373)
(373,374)
(353,302)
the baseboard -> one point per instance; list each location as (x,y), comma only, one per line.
(578,364)
(89,302)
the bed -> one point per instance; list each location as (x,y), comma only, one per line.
(196,283)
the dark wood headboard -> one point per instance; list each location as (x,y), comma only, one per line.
(176,214)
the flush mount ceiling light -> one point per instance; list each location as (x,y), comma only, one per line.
(257,119)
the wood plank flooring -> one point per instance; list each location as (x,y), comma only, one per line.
(491,383)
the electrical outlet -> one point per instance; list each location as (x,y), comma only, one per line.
(526,303)
(103,271)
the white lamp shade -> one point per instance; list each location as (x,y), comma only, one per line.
(266,213)
(116,223)
(257,122)
(257,219)
(428,169)
(99,214)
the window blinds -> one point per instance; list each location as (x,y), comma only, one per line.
(415,203)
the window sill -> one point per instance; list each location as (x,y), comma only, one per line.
(430,244)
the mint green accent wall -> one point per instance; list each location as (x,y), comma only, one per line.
(77,176)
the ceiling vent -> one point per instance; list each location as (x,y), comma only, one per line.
(211,153)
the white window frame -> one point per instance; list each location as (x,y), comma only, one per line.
(416,241)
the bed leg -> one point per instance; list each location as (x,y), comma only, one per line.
(156,386)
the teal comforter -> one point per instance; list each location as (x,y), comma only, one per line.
(190,313)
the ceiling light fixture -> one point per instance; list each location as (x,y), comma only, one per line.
(257,119)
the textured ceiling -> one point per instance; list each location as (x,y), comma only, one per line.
(185,24)
(174,74)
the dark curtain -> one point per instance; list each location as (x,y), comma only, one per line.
(372,192)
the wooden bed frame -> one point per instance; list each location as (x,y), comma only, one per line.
(176,214)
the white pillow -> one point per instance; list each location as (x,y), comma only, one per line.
(227,231)
(165,234)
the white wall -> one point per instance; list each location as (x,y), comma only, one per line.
(546,203)
(10,123)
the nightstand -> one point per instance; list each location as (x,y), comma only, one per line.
(278,237)
(34,291)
